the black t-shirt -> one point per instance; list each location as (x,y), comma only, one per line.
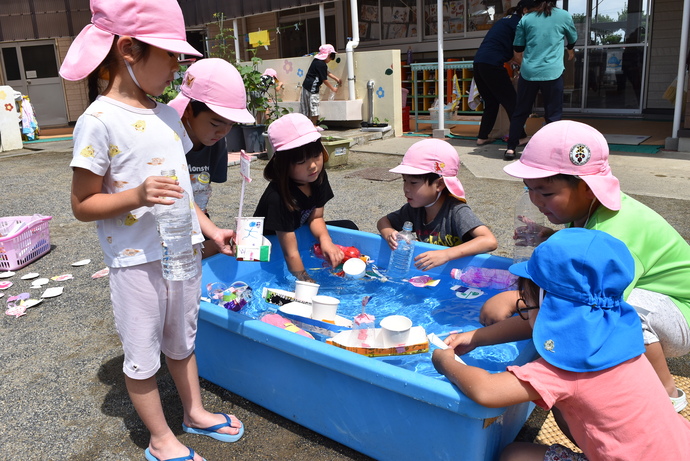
(279,218)
(316,75)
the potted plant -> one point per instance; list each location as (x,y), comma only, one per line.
(375,123)
(338,150)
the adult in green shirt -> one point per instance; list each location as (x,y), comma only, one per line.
(539,49)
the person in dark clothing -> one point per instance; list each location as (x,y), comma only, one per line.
(490,75)
(316,75)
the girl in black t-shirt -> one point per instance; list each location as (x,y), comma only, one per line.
(298,190)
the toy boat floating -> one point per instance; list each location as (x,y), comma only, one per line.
(300,314)
(416,343)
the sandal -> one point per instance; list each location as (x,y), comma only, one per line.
(150,457)
(483,142)
(509,154)
(213,431)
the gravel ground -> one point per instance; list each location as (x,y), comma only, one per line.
(62,391)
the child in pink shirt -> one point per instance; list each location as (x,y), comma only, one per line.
(592,371)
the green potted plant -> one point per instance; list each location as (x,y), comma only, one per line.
(338,149)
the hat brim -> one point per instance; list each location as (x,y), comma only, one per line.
(581,338)
(322,56)
(406,169)
(170,44)
(180,103)
(86,53)
(606,187)
(235,115)
(520,269)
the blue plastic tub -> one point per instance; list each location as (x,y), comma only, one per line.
(380,409)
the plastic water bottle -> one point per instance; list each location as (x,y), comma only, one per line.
(175,229)
(528,221)
(401,257)
(482,277)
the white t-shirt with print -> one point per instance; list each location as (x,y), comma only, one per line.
(125,145)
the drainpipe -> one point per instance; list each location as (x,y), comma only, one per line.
(680,78)
(322,23)
(440,133)
(370,100)
(349,50)
(235,32)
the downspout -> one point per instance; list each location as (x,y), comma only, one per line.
(680,78)
(441,70)
(349,50)
(237,40)
(322,23)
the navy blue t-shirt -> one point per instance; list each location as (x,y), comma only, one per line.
(316,75)
(497,47)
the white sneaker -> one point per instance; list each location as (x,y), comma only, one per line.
(680,402)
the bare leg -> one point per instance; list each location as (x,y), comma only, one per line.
(524,451)
(186,376)
(147,402)
(655,355)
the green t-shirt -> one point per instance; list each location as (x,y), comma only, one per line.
(662,256)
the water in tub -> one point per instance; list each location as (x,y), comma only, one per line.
(439,309)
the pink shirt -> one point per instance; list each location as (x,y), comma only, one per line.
(621,413)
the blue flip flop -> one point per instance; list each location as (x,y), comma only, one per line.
(150,457)
(213,430)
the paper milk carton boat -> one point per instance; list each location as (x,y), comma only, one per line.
(416,343)
(300,314)
(251,244)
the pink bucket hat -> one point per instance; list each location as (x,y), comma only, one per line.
(158,23)
(216,83)
(433,156)
(325,51)
(572,148)
(292,130)
(270,72)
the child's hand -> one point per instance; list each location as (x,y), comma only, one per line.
(332,253)
(460,343)
(531,234)
(430,259)
(223,241)
(303,276)
(159,190)
(392,240)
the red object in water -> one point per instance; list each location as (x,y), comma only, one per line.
(348,252)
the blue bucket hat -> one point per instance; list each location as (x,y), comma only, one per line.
(583,324)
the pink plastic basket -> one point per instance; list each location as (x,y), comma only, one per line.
(23,239)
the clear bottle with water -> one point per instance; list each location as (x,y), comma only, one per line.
(528,223)
(175,229)
(401,257)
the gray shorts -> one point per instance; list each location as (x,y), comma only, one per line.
(662,321)
(309,103)
(153,315)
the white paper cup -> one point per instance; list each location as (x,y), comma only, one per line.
(395,329)
(250,231)
(355,268)
(324,307)
(304,291)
